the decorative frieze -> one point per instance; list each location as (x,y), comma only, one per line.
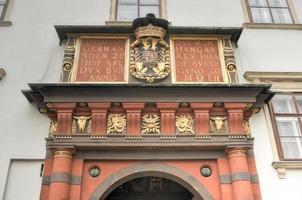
(219,125)
(116,124)
(150,124)
(81,124)
(184,124)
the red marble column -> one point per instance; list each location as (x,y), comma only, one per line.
(202,117)
(46,175)
(224,173)
(242,189)
(235,111)
(99,113)
(133,111)
(76,172)
(61,174)
(254,175)
(64,117)
(167,113)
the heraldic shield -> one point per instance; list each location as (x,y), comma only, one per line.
(150,55)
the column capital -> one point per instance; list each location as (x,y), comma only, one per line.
(201,106)
(64,106)
(235,106)
(133,106)
(64,152)
(167,106)
(236,151)
(99,106)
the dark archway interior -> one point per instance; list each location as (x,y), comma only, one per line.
(150,188)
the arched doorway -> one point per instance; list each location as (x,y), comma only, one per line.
(154,169)
(150,188)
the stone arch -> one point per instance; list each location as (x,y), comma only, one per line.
(151,169)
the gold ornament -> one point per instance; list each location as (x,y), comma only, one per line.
(53,127)
(81,124)
(116,124)
(219,124)
(149,55)
(150,124)
(246,127)
(184,124)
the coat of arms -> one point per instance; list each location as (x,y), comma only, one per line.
(150,59)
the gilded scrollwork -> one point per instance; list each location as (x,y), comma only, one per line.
(150,124)
(68,59)
(219,124)
(116,124)
(184,124)
(230,62)
(81,124)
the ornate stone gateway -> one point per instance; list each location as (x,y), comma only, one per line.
(125,111)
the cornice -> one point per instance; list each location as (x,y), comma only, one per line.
(256,76)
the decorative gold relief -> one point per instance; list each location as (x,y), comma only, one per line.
(116,124)
(81,124)
(150,55)
(68,59)
(184,124)
(150,124)
(219,124)
(246,127)
(53,127)
(230,60)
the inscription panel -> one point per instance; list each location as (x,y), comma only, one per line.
(101,60)
(197,60)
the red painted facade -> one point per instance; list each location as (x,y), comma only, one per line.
(231,172)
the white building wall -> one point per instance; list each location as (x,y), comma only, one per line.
(30,52)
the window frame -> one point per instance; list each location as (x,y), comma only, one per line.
(160,9)
(273,116)
(289,8)
(4,11)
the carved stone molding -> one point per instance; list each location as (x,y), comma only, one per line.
(81,124)
(116,124)
(184,124)
(219,125)
(68,60)
(230,62)
(150,124)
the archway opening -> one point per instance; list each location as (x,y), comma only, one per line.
(150,188)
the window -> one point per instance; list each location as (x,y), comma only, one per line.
(3,8)
(269,11)
(128,10)
(286,110)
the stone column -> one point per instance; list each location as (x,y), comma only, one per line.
(98,117)
(61,174)
(225,178)
(167,113)
(133,111)
(202,117)
(76,179)
(253,175)
(48,163)
(237,158)
(64,117)
(235,111)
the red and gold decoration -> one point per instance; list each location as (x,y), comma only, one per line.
(150,55)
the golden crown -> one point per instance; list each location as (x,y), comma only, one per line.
(149,30)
